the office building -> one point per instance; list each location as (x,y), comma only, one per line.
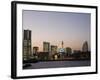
(46,47)
(53,49)
(43,56)
(26,44)
(35,50)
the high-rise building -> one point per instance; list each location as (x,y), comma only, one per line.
(68,51)
(46,47)
(85,47)
(27,44)
(62,50)
(62,44)
(35,50)
(53,49)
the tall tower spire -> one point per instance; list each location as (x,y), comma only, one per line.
(62,44)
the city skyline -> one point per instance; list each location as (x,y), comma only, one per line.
(55,27)
(63,47)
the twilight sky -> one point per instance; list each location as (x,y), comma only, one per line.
(71,28)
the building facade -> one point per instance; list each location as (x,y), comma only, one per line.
(53,49)
(27,44)
(43,56)
(46,47)
(35,50)
(68,51)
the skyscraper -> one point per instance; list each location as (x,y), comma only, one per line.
(53,49)
(62,44)
(62,50)
(85,47)
(26,44)
(46,47)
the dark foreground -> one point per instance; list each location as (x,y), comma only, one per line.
(57,64)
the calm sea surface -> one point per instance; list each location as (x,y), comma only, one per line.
(58,64)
